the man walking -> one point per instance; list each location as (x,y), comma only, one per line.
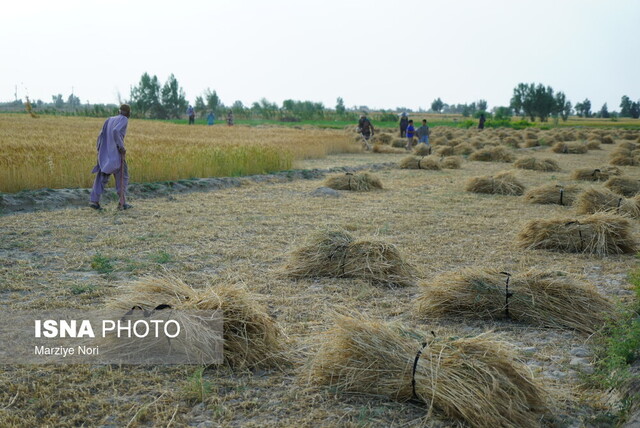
(111,158)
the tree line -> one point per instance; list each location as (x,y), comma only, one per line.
(151,99)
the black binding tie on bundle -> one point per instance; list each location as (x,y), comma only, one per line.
(619,203)
(561,194)
(595,171)
(415,366)
(420,160)
(350,175)
(145,312)
(507,294)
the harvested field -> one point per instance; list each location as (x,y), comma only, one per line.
(241,235)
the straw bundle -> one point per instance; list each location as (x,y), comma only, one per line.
(531,142)
(476,379)
(463,149)
(504,183)
(336,254)
(628,187)
(399,142)
(624,157)
(415,162)
(599,234)
(492,154)
(537,164)
(422,150)
(382,138)
(593,145)
(538,298)
(607,139)
(358,182)
(444,151)
(594,200)
(597,174)
(451,162)
(552,194)
(574,148)
(251,336)
(383,148)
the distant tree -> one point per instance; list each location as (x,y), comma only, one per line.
(566,111)
(174,102)
(213,101)
(437,105)
(201,107)
(340,108)
(635,110)
(625,106)
(482,105)
(58,101)
(145,98)
(73,102)
(502,113)
(583,109)
(604,112)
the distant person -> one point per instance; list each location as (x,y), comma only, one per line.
(111,158)
(404,122)
(423,134)
(410,132)
(230,118)
(211,118)
(365,128)
(192,115)
(481,121)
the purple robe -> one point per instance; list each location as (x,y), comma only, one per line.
(110,139)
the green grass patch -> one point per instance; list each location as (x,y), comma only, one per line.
(101,264)
(197,389)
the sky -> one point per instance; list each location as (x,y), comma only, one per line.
(380,54)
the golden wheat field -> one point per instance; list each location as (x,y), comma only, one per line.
(248,237)
(59,152)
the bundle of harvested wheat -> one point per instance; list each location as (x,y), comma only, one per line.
(537,164)
(477,379)
(535,297)
(600,234)
(357,182)
(422,150)
(553,194)
(382,138)
(593,145)
(416,162)
(337,254)
(463,149)
(574,148)
(493,154)
(251,336)
(594,200)
(399,142)
(451,162)
(624,157)
(595,174)
(625,186)
(503,183)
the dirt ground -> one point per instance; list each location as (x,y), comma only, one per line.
(242,235)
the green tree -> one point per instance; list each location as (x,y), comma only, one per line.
(201,107)
(583,109)
(73,101)
(340,108)
(145,98)
(174,102)
(635,110)
(625,106)
(213,102)
(58,101)
(482,105)
(604,112)
(437,105)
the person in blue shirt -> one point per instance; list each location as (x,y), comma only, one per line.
(410,132)
(211,118)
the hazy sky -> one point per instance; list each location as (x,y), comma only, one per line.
(382,54)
